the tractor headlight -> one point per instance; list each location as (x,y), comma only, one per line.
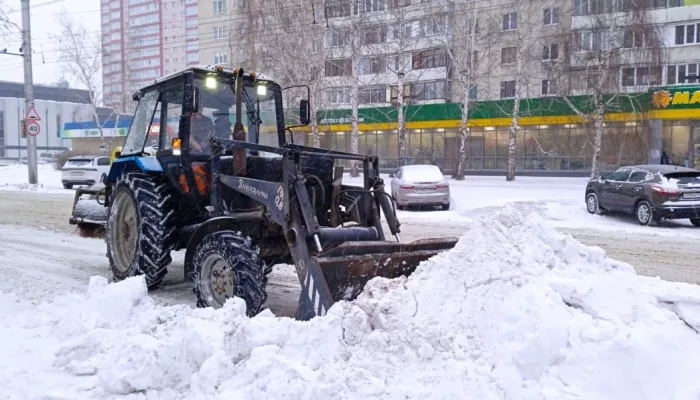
(262,90)
(210,82)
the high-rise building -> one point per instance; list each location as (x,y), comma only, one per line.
(143,40)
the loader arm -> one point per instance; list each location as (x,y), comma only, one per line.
(332,263)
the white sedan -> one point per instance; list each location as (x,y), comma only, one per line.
(85,170)
(420,185)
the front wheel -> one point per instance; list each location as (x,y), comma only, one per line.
(227,265)
(592,204)
(139,229)
(695,222)
(645,214)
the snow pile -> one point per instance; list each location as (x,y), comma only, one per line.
(15,177)
(515,311)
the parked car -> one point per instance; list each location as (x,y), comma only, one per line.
(420,185)
(85,170)
(649,192)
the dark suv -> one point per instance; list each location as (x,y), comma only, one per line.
(650,192)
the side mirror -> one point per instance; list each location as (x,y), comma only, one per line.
(391,175)
(136,96)
(304,112)
(117,154)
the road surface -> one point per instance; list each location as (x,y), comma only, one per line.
(55,261)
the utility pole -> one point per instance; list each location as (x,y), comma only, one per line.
(28,89)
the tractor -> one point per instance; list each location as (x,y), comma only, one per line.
(229,185)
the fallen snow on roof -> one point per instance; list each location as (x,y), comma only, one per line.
(515,311)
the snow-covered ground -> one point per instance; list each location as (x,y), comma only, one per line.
(15,177)
(517,310)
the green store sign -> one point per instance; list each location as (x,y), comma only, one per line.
(676,98)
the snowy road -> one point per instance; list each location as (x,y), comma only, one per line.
(661,251)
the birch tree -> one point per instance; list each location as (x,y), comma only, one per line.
(81,58)
(615,48)
(299,62)
(411,29)
(464,57)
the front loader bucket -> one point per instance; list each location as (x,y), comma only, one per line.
(89,212)
(348,267)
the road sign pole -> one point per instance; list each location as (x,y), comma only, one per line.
(28,89)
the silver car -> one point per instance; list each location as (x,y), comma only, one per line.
(420,185)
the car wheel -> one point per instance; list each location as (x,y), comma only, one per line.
(645,214)
(446,207)
(68,186)
(695,222)
(103,178)
(592,204)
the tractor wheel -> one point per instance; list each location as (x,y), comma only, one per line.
(139,229)
(227,265)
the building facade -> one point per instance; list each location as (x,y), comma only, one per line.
(143,40)
(55,105)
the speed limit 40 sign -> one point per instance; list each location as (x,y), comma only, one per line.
(33,128)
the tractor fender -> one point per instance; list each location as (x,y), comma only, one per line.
(144,164)
(213,225)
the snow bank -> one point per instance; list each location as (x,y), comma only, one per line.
(515,311)
(15,177)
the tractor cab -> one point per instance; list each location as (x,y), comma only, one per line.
(184,111)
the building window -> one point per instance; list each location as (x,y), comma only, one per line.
(434,90)
(372,95)
(59,126)
(431,58)
(550,52)
(339,67)
(219,6)
(549,87)
(220,57)
(473,92)
(586,40)
(551,16)
(366,6)
(510,21)
(371,65)
(336,38)
(682,73)
(374,35)
(641,76)
(219,32)
(509,55)
(687,34)
(338,8)
(507,89)
(340,95)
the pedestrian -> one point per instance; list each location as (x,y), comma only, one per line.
(664,158)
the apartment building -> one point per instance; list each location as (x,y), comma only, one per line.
(142,40)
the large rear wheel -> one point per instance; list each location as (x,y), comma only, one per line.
(139,229)
(227,265)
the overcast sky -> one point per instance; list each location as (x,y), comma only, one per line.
(46,34)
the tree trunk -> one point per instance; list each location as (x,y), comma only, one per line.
(401,121)
(354,134)
(463,135)
(513,133)
(598,121)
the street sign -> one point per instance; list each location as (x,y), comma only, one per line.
(32,114)
(33,128)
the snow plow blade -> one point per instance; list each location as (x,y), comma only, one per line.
(89,214)
(348,267)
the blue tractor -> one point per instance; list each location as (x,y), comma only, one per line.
(228,185)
